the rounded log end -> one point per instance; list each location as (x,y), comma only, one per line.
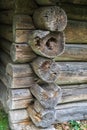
(50,46)
(51,18)
(46,69)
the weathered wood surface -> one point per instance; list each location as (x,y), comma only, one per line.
(47,44)
(48,95)
(19,6)
(6,16)
(73,52)
(46,69)
(21,53)
(51,18)
(5,45)
(3,96)
(71,111)
(46,2)
(60,72)
(18,104)
(73,93)
(6,31)
(10,82)
(27,125)
(75,12)
(25,7)
(18,116)
(5,58)
(54,2)
(43,118)
(76,31)
(22,21)
(19,70)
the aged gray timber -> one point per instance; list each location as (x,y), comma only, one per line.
(46,69)
(51,18)
(73,52)
(71,111)
(47,44)
(21,21)
(18,116)
(48,95)
(27,125)
(19,70)
(19,6)
(43,118)
(21,53)
(60,72)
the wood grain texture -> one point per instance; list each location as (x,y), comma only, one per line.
(49,95)
(76,31)
(73,52)
(19,70)
(71,111)
(21,21)
(18,116)
(66,73)
(46,69)
(51,18)
(27,125)
(43,118)
(21,53)
(47,44)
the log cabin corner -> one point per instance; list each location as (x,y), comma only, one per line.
(43,62)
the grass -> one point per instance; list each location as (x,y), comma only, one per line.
(3,120)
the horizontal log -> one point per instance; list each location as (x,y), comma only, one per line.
(6,16)
(73,52)
(25,7)
(6,31)
(47,44)
(43,118)
(22,21)
(73,93)
(19,70)
(75,12)
(46,69)
(27,125)
(84,2)
(18,116)
(76,31)
(18,104)
(5,45)
(69,73)
(46,2)
(48,95)
(10,82)
(21,53)
(71,111)
(51,18)
(19,6)
(54,2)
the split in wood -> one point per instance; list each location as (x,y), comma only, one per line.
(47,44)
(51,18)
(42,118)
(48,95)
(46,69)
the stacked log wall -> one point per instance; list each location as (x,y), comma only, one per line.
(16,56)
